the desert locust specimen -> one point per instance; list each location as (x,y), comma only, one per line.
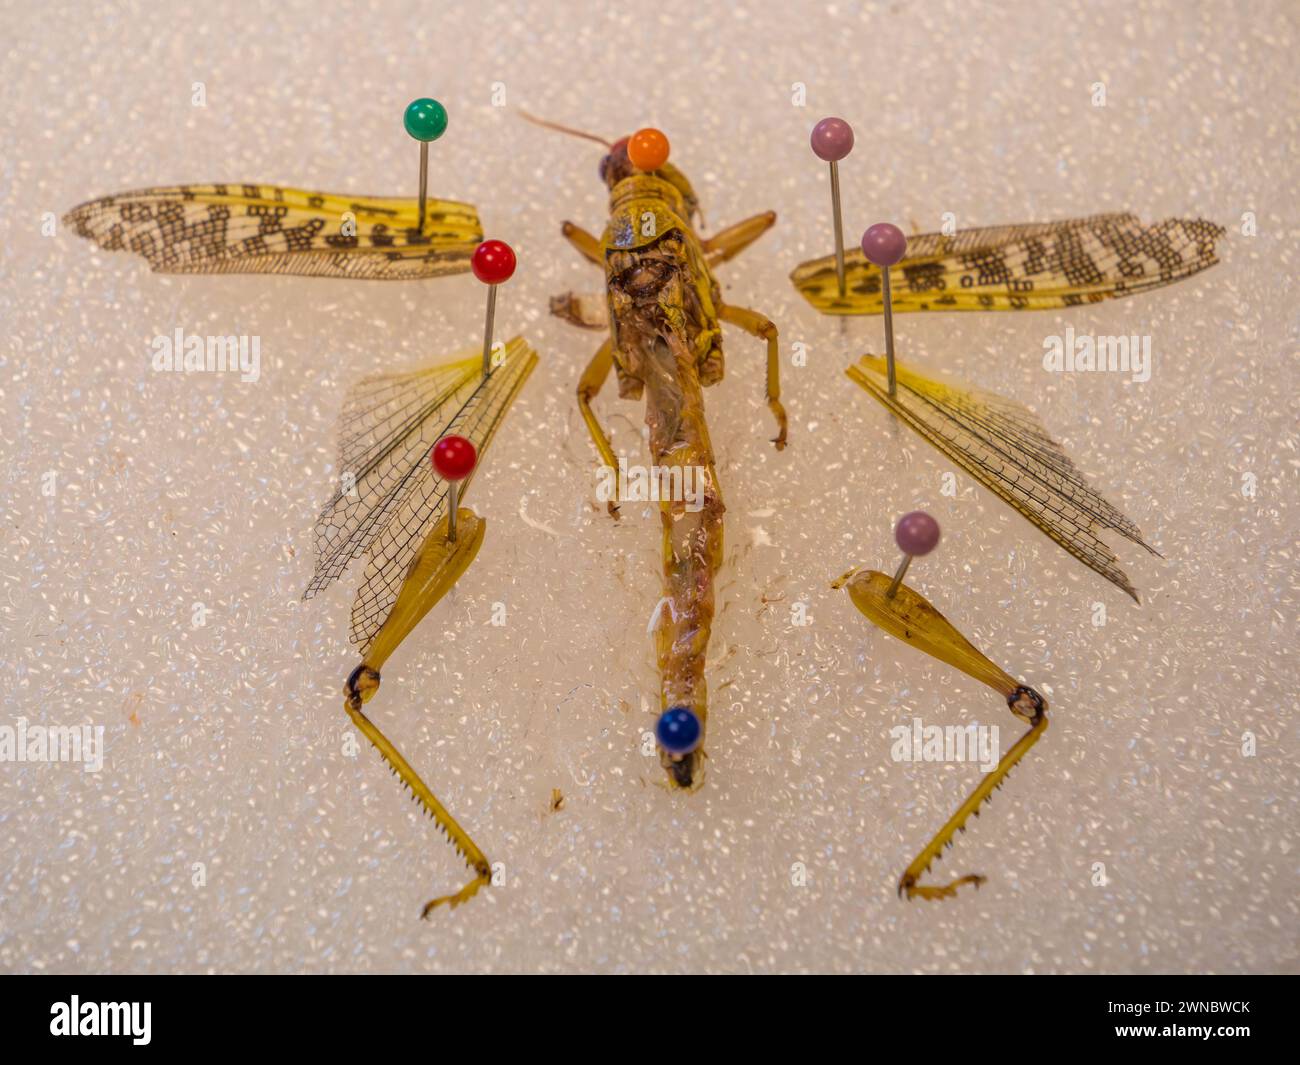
(665,313)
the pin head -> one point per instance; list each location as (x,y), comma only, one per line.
(647,149)
(884,244)
(678,730)
(832,139)
(916,533)
(454,458)
(493,262)
(425,119)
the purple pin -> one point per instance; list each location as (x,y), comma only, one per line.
(832,140)
(916,534)
(885,245)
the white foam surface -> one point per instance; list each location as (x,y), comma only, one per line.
(129,497)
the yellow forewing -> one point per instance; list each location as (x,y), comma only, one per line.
(1037,266)
(266,229)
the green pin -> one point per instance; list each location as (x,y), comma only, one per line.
(425,120)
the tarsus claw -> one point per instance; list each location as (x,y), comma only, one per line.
(463,895)
(942,891)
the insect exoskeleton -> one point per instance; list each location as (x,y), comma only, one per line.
(665,312)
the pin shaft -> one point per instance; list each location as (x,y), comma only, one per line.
(488,326)
(889,329)
(839,224)
(424,183)
(453,495)
(898,576)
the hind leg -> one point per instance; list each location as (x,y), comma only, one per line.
(1022,701)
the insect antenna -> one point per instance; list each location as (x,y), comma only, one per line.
(564,129)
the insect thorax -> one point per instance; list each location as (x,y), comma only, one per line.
(643,208)
(657,279)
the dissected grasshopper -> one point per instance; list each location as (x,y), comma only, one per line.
(665,312)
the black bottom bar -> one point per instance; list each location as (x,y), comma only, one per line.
(929,1015)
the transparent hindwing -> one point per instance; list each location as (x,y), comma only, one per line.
(389,497)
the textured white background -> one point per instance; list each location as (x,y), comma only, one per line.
(177,490)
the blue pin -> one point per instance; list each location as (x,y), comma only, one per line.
(678,730)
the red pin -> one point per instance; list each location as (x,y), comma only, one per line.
(493,263)
(453,460)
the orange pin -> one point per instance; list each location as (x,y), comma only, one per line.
(647,149)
